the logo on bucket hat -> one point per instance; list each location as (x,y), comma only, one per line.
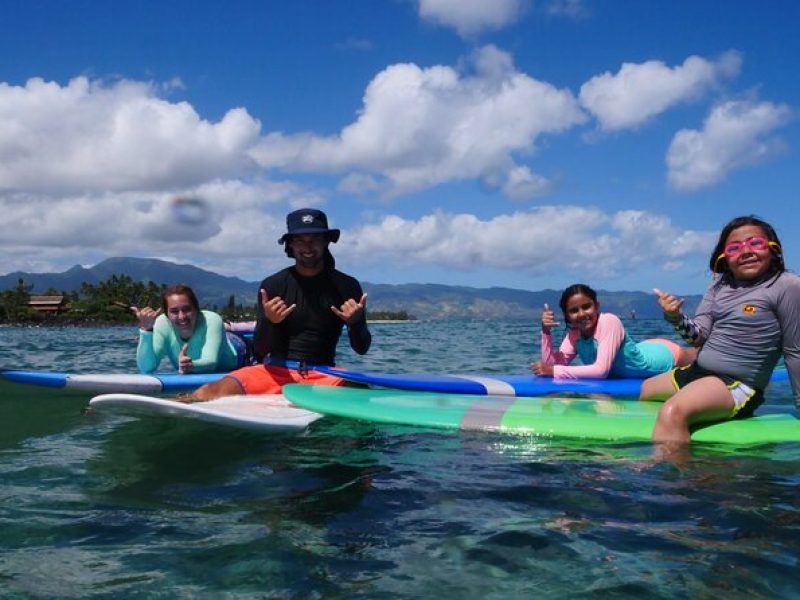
(308,220)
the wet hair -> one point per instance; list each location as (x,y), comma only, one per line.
(718,263)
(329,261)
(180,289)
(574,290)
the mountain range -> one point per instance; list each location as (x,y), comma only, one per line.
(423,300)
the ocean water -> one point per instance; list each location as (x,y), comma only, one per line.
(93,506)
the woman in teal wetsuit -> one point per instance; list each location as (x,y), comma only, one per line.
(194,340)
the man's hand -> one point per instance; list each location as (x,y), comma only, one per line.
(351,311)
(275,309)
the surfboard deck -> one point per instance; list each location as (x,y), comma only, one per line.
(259,413)
(606,420)
(500,385)
(134,383)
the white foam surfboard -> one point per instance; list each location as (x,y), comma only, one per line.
(261,413)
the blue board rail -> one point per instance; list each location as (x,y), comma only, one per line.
(500,385)
(111,382)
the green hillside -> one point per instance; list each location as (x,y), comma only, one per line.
(425,301)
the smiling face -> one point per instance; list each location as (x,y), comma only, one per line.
(308,250)
(181,314)
(582,313)
(747,252)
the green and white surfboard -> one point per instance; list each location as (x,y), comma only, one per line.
(609,420)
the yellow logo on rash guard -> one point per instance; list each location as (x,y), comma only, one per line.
(749,309)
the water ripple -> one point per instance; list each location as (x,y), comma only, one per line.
(103,507)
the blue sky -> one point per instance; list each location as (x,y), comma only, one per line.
(526,144)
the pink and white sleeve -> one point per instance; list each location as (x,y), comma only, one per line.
(609,335)
(563,356)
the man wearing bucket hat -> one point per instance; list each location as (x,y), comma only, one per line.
(303,310)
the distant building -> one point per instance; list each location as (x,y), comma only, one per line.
(47,304)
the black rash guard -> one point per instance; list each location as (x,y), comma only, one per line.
(310,333)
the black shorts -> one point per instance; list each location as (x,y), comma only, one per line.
(746,398)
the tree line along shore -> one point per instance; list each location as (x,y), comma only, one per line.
(108,302)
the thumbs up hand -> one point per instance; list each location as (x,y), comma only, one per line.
(671,305)
(184,362)
(548,319)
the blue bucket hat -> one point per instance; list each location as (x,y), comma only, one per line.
(308,220)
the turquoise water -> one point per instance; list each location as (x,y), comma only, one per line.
(94,506)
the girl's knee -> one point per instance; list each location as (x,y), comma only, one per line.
(672,414)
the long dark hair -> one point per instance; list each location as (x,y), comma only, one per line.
(573,290)
(180,289)
(718,263)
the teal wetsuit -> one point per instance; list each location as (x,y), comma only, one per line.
(636,360)
(208,348)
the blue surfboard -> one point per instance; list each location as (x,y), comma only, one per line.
(500,385)
(132,383)
(122,383)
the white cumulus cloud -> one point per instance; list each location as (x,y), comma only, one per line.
(522,184)
(92,169)
(470,17)
(638,92)
(542,240)
(91,137)
(652,238)
(420,127)
(243,221)
(735,134)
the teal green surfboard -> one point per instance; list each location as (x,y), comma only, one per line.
(609,420)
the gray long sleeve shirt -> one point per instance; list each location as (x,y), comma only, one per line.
(742,330)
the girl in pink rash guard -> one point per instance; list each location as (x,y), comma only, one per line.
(600,341)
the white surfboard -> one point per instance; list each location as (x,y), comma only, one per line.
(261,413)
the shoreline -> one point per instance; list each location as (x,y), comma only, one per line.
(67,323)
(392,321)
(37,324)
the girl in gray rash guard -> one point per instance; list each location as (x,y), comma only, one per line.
(748,318)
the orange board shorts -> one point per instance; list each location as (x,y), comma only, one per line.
(270,379)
